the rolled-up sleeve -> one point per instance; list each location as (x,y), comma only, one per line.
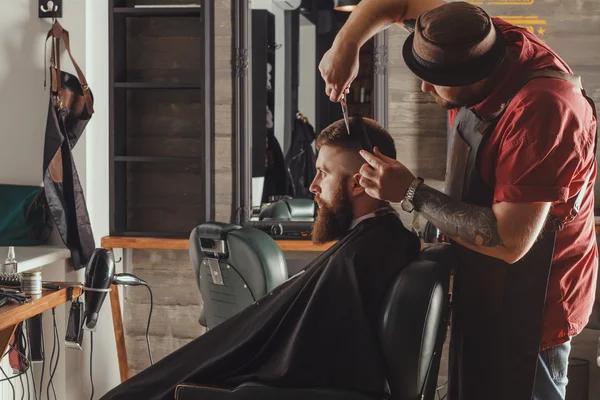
(539,157)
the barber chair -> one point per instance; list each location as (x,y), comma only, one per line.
(414,322)
(234,266)
(289,210)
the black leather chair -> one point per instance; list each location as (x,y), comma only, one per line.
(234,266)
(414,322)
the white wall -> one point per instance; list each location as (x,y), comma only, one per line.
(23,115)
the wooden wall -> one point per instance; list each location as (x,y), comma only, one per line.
(417,124)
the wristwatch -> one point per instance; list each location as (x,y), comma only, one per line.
(407,203)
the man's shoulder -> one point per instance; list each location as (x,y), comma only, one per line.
(385,234)
(552,100)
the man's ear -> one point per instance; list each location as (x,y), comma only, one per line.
(355,186)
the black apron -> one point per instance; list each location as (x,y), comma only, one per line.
(497,307)
(70,109)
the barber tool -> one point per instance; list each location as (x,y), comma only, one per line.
(10,279)
(99,276)
(365,142)
(74,333)
(31,282)
(35,335)
(345,112)
(14,280)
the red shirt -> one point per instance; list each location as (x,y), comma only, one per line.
(541,151)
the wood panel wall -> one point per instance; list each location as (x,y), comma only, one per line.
(418,126)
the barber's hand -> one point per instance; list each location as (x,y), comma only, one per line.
(383,177)
(339,67)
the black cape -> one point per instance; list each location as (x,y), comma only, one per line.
(318,329)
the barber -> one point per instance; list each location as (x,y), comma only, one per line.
(519,195)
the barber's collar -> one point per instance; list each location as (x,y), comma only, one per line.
(376,213)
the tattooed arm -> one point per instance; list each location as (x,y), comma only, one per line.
(505,230)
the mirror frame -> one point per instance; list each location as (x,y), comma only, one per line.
(242,107)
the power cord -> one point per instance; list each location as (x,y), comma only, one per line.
(52,368)
(91,352)
(9,380)
(25,361)
(148,326)
(43,349)
(31,370)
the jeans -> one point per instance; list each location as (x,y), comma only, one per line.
(551,376)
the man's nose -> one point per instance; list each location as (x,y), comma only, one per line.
(427,87)
(314,188)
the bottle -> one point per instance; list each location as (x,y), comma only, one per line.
(10,264)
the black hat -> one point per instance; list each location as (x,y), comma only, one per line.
(455,44)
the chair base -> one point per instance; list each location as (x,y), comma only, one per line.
(257,391)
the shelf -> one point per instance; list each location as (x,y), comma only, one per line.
(159,11)
(157,159)
(152,85)
(171,235)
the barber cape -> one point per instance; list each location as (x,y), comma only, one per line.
(319,329)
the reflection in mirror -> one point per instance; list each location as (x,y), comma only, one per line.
(288,108)
(283,110)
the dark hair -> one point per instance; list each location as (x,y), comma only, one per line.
(336,134)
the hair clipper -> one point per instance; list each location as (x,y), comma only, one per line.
(74,333)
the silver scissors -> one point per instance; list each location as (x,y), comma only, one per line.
(345,112)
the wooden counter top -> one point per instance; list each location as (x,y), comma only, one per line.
(120,242)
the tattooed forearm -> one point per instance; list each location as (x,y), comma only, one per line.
(409,24)
(472,224)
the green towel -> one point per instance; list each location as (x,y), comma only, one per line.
(24,216)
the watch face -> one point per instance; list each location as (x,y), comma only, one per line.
(407,206)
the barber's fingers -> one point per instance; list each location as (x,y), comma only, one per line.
(373,160)
(371,187)
(368,172)
(382,156)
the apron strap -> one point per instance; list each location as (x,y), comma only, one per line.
(550,73)
(57,32)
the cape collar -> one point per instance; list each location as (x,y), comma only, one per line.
(377,213)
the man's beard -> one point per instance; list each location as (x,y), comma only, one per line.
(333,218)
(445,104)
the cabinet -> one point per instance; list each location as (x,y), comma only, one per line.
(161,116)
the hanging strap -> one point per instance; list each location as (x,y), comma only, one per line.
(57,32)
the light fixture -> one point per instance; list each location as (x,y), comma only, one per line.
(345,5)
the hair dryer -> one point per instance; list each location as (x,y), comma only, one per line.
(99,276)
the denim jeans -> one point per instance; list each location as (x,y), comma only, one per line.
(551,376)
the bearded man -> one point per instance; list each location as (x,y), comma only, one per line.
(319,328)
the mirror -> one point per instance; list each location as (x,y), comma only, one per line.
(281,106)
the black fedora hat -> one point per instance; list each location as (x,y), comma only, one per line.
(456,44)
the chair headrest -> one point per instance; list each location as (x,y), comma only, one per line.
(253,254)
(212,236)
(414,315)
(289,209)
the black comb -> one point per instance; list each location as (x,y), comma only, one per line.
(365,141)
